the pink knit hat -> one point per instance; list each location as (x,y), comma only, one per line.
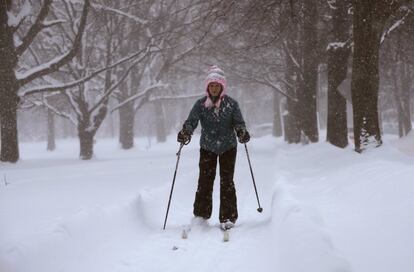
(215,74)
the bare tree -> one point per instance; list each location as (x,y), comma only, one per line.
(173,27)
(89,100)
(307,92)
(11,53)
(338,52)
(368,23)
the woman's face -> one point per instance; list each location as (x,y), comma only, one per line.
(214,88)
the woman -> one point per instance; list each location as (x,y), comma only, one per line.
(221,120)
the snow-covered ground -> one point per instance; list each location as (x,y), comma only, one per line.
(325,209)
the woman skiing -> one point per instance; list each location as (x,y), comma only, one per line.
(221,120)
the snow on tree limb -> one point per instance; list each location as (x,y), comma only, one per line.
(114,86)
(35,28)
(335,45)
(332,4)
(52,23)
(30,72)
(15,21)
(59,61)
(278,89)
(120,12)
(139,95)
(58,112)
(176,97)
(57,87)
(266,82)
(72,102)
(293,59)
(395,25)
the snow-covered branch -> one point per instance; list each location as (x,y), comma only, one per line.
(120,12)
(395,25)
(114,86)
(57,87)
(332,4)
(287,50)
(15,21)
(35,28)
(335,45)
(295,62)
(277,88)
(176,97)
(58,112)
(265,81)
(52,23)
(37,69)
(59,61)
(138,95)
(72,101)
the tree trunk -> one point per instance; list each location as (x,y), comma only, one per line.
(160,123)
(9,85)
(8,120)
(86,145)
(291,123)
(86,140)
(337,131)
(126,126)
(277,122)
(365,76)
(86,132)
(51,143)
(308,89)
(338,53)
(405,90)
(402,97)
(291,117)
(8,89)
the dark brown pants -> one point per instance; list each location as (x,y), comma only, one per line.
(203,203)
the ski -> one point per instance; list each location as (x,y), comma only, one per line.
(185,231)
(226,227)
(226,235)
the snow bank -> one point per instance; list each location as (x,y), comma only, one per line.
(364,200)
(304,244)
(325,210)
(68,245)
(406,144)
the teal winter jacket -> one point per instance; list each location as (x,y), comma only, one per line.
(218,125)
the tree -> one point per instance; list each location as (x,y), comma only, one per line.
(11,53)
(338,53)
(400,52)
(368,23)
(300,44)
(89,100)
(307,92)
(88,93)
(173,28)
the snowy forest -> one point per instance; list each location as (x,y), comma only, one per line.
(94,92)
(125,68)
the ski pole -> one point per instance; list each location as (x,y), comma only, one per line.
(172,186)
(260,209)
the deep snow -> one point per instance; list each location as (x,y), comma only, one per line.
(325,209)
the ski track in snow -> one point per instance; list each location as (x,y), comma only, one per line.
(62,214)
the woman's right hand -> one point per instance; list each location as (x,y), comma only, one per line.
(184,136)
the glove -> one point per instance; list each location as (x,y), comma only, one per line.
(184,136)
(243,136)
